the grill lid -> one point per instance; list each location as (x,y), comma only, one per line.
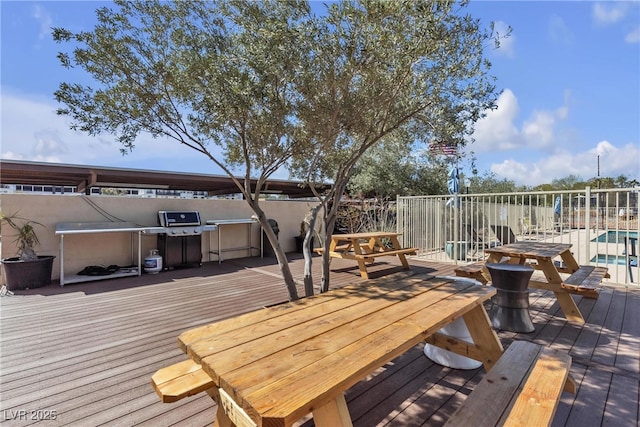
(179,218)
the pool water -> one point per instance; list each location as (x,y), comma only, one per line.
(614,236)
(613,259)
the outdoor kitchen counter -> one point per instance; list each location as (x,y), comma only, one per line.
(219,223)
(65,228)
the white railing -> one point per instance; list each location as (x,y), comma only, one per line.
(601,225)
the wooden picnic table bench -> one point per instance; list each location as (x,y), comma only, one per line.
(586,280)
(365,247)
(273,366)
(583,280)
(474,270)
(522,389)
(180,380)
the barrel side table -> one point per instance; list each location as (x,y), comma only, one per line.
(510,309)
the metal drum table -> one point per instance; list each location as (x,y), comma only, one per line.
(510,310)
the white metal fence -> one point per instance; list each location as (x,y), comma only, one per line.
(601,225)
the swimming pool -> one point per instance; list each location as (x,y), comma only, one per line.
(614,236)
(613,259)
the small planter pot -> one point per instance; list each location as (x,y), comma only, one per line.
(28,274)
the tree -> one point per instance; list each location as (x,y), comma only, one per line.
(267,85)
(570,182)
(489,183)
(212,76)
(386,67)
(394,168)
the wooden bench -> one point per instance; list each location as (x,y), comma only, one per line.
(339,248)
(522,389)
(181,380)
(473,271)
(186,379)
(342,249)
(345,252)
(586,281)
(370,256)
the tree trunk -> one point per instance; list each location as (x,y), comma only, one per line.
(329,224)
(306,251)
(281,257)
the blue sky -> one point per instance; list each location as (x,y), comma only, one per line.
(569,76)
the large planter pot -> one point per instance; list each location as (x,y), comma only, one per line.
(28,274)
(462,247)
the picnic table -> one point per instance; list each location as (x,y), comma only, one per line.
(582,280)
(365,247)
(276,365)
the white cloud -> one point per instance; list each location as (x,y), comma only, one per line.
(44,19)
(540,128)
(559,32)
(534,154)
(512,169)
(496,130)
(614,161)
(31,130)
(633,36)
(609,13)
(499,131)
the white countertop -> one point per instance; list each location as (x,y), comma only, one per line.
(98,227)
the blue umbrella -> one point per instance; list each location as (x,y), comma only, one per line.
(453,183)
(557,210)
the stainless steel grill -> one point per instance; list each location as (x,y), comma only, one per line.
(179,238)
(180,223)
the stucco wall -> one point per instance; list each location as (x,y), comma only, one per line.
(116,248)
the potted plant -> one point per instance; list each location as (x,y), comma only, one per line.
(27,269)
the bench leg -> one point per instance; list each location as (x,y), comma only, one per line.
(333,414)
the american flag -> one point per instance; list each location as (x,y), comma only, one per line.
(444,149)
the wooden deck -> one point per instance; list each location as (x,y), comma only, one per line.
(86,352)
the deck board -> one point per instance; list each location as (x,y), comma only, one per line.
(88,350)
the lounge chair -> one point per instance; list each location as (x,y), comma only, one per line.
(478,242)
(528,226)
(504,234)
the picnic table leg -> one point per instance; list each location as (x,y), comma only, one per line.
(363,269)
(229,414)
(567,304)
(569,260)
(362,265)
(396,245)
(483,335)
(333,414)
(403,260)
(222,419)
